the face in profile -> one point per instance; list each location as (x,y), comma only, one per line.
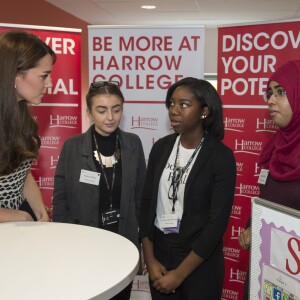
(106,113)
(278,105)
(32,84)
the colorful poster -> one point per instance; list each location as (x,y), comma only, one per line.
(275,252)
(59,114)
(247,56)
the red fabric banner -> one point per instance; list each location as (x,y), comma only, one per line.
(247,56)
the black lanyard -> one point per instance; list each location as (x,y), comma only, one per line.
(179,171)
(110,190)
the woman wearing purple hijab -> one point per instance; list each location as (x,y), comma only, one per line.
(280,157)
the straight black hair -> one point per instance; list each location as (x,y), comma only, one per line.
(208,96)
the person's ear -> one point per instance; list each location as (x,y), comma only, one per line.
(205,112)
(89,114)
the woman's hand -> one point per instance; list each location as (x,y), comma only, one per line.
(43,217)
(168,283)
(245,238)
(156,270)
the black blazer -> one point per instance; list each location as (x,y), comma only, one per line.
(78,203)
(208,195)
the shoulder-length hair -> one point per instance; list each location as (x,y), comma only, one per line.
(19,52)
(207,95)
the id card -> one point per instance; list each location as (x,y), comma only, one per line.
(110,217)
(170,223)
(173,229)
(168,220)
(89,177)
(263,176)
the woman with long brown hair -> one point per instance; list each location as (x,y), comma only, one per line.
(25,67)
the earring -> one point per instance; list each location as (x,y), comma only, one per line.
(203,116)
(16,80)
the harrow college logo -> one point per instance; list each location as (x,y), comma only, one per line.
(239,168)
(230,294)
(232,254)
(250,147)
(237,275)
(148,123)
(265,125)
(236,212)
(45,183)
(50,142)
(234,124)
(57,121)
(248,189)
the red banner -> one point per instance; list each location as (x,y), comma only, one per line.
(59,114)
(247,56)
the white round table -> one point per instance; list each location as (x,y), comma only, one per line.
(63,262)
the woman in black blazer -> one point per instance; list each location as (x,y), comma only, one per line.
(100,174)
(188,196)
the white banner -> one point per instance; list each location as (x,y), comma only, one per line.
(146,61)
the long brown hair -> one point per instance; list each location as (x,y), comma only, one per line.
(19,139)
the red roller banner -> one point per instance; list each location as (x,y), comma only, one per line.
(59,114)
(247,56)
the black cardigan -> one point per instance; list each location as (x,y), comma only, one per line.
(208,196)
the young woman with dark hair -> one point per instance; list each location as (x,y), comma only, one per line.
(188,196)
(280,157)
(100,173)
